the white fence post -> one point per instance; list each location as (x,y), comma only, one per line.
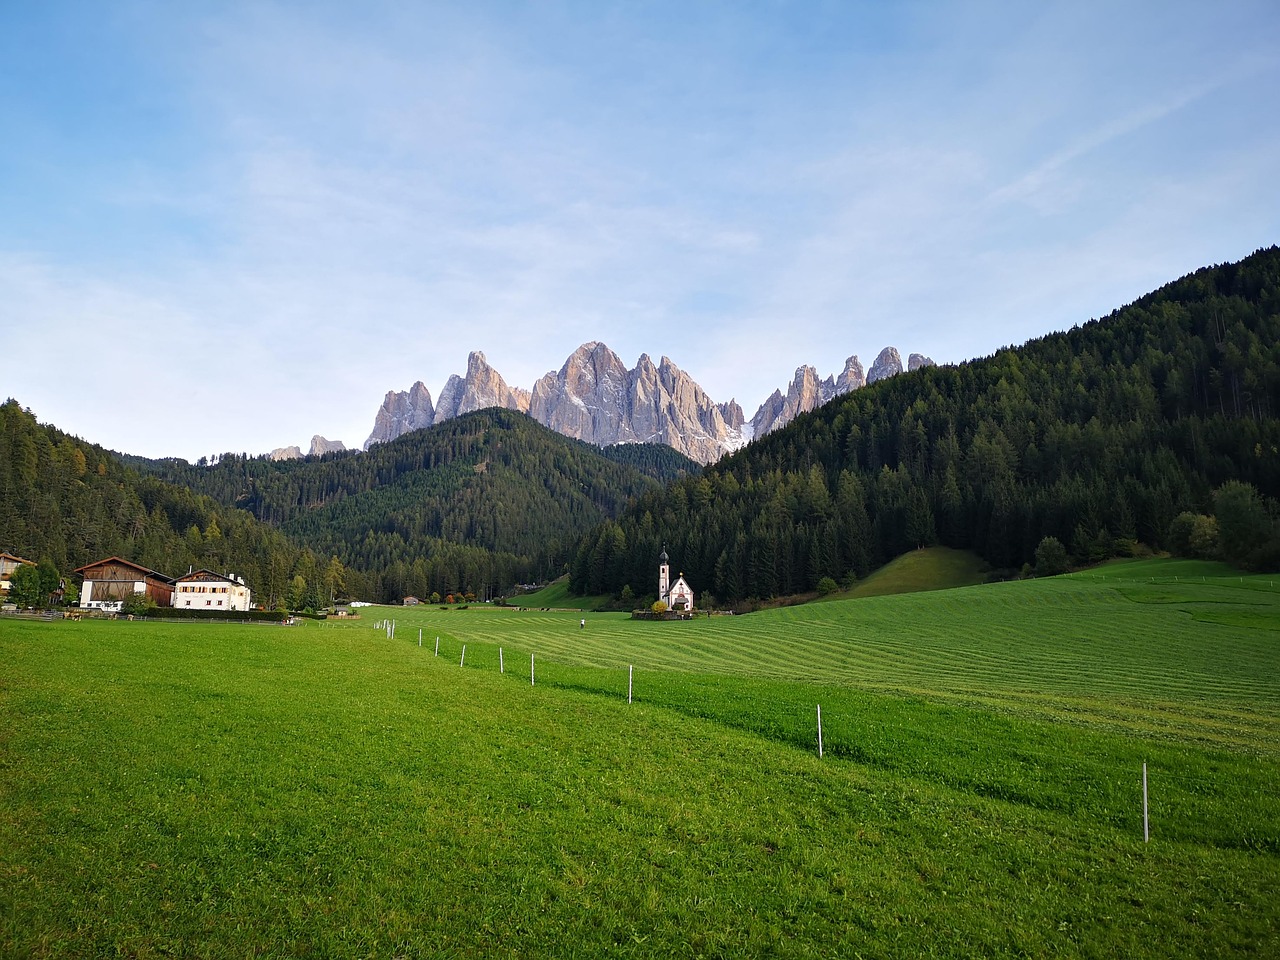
(501,666)
(463,661)
(819,730)
(630,673)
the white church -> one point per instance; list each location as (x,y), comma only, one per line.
(677,596)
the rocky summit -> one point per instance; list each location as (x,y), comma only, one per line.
(594,397)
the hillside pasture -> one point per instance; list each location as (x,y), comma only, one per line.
(329,790)
(929,568)
(1164,648)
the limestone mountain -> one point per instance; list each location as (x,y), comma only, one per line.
(481,388)
(594,397)
(319,447)
(918,360)
(806,392)
(887,364)
(402,412)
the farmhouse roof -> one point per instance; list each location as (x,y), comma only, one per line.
(203,574)
(126,563)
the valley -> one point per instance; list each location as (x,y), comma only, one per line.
(331,789)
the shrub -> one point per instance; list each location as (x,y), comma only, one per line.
(1051,557)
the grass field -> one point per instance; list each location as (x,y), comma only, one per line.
(556,594)
(328,790)
(929,568)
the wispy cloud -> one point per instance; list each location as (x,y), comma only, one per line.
(339,203)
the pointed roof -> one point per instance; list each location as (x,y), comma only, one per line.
(205,575)
(127,563)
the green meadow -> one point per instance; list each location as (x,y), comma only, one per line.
(330,790)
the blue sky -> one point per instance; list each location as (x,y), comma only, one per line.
(229,226)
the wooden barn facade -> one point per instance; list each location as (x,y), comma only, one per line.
(108,583)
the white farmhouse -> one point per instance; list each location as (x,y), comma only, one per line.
(206,590)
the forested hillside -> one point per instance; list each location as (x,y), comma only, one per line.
(69,503)
(475,504)
(1099,437)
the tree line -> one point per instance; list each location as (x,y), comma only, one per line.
(65,503)
(1099,437)
(473,505)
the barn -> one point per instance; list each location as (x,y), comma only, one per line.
(108,583)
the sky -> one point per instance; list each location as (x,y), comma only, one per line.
(229,226)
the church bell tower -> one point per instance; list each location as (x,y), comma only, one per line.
(664,575)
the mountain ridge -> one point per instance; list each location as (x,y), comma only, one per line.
(594,397)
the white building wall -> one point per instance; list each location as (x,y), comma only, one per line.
(211,595)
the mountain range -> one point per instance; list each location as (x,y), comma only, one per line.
(595,398)
(1155,427)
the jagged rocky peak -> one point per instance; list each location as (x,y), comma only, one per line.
(888,364)
(668,406)
(804,393)
(402,412)
(594,397)
(732,414)
(851,377)
(587,399)
(321,446)
(918,360)
(484,387)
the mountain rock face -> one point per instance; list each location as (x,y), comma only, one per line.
(667,406)
(888,364)
(588,398)
(804,393)
(482,387)
(851,378)
(320,446)
(402,412)
(731,414)
(918,360)
(595,398)
(286,453)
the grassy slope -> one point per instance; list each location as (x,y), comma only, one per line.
(1175,657)
(556,595)
(930,568)
(326,790)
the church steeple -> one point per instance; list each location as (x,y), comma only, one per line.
(664,575)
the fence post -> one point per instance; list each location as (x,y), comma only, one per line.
(819,730)
(463,661)
(630,673)
(501,667)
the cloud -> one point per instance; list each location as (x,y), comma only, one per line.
(334,203)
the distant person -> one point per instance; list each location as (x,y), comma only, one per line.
(583,624)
